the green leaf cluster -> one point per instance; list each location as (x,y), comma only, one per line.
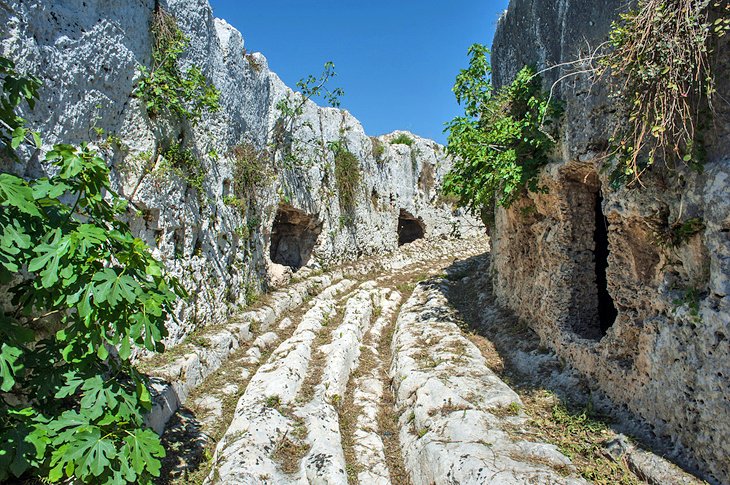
(290,107)
(84,293)
(500,143)
(250,171)
(165,88)
(183,163)
(16,90)
(402,139)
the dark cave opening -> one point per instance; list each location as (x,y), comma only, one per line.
(293,236)
(410,228)
(606,309)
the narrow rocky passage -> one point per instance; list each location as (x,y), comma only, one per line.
(379,372)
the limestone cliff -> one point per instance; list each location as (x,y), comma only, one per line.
(589,266)
(87,54)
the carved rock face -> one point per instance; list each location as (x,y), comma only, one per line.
(666,355)
(87,53)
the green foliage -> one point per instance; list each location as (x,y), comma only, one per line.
(16,90)
(680,232)
(348,175)
(499,144)
(663,79)
(84,293)
(690,297)
(183,163)
(251,293)
(233,201)
(165,88)
(250,170)
(402,139)
(273,401)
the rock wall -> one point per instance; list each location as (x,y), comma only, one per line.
(87,53)
(591,267)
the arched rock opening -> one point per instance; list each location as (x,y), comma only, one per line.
(410,228)
(293,236)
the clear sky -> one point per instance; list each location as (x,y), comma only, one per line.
(396,60)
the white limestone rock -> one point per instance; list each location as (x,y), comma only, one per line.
(448,400)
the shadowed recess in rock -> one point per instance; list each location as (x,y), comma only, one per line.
(606,309)
(410,228)
(293,236)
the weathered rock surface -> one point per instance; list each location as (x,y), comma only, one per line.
(326,395)
(87,54)
(368,445)
(449,402)
(287,427)
(666,355)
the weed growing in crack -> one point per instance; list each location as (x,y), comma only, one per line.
(273,401)
(378,150)
(348,176)
(250,171)
(183,163)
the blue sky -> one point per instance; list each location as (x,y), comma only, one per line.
(396,60)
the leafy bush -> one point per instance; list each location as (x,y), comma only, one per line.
(84,293)
(310,87)
(663,77)
(16,89)
(347,176)
(165,88)
(402,139)
(499,144)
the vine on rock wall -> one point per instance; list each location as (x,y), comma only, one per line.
(250,171)
(83,293)
(165,88)
(664,79)
(501,142)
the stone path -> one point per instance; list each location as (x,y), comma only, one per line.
(360,375)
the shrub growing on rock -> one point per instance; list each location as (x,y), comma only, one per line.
(402,139)
(663,78)
(250,170)
(165,88)
(347,177)
(83,294)
(500,143)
